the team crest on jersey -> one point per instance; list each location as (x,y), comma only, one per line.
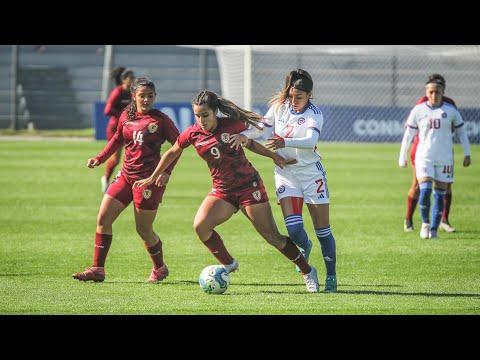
(281,189)
(152,127)
(254,184)
(444,115)
(257,195)
(225,137)
(301,121)
(147,193)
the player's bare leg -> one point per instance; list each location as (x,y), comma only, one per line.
(144,224)
(412,201)
(261,217)
(445,223)
(320,214)
(110,209)
(212,212)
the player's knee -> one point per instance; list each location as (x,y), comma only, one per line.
(274,239)
(144,230)
(201,229)
(103,220)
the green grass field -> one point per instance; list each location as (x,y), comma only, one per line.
(49,201)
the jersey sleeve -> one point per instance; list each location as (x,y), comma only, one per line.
(315,122)
(115,142)
(112,102)
(267,124)
(458,120)
(412,119)
(170,131)
(183,139)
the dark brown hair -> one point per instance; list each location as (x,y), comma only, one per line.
(300,79)
(437,79)
(226,107)
(142,81)
(120,73)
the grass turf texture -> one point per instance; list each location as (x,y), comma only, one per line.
(49,202)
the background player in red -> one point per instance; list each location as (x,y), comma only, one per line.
(118,100)
(414,191)
(236,183)
(143,130)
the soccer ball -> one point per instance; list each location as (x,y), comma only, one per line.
(214,279)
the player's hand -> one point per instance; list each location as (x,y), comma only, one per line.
(238,140)
(162,180)
(402,164)
(281,162)
(275,143)
(92,162)
(467,161)
(143,182)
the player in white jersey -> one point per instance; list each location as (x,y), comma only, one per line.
(433,121)
(292,128)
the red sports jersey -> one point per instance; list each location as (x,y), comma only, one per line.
(117,101)
(143,139)
(229,168)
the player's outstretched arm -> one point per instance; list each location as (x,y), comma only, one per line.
(406,142)
(462,135)
(262,150)
(166,160)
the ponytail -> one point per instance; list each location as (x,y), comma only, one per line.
(227,107)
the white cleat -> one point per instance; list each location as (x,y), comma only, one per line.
(311,280)
(446,227)
(104,182)
(231,267)
(433,234)
(425,231)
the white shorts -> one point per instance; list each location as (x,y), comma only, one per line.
(307,182)
(426,168)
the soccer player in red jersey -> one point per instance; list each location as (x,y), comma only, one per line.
(236,183)
(414,190)
(143,130)
(118,100)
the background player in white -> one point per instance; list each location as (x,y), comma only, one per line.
(433,121)
(295,124)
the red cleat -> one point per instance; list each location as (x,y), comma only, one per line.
(92,273)
(159,274)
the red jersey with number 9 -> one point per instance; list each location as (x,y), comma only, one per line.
(229,168)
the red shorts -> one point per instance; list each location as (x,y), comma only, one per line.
(253,194)
(413,151)
(146,198)
(112,127)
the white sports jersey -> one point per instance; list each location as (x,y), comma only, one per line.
(434,125)
(286,123)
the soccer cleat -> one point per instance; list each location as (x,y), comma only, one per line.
(445,226)
(231,267)
(159,274)
(408,225)
(433,234)
(96,274)
(305,252)
(104,182)
(331,283)
(424,232)
(311,280)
